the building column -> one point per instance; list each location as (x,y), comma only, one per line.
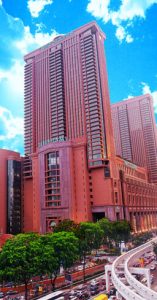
(151,220)
(143,222)
(155,219)
(138,222)
(147,221)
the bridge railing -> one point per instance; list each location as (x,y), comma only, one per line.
(140,291)
(143,290)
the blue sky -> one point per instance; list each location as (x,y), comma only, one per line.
(131,49)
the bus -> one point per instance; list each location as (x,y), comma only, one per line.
(52,296)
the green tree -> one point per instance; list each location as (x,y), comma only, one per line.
(20,259)
(49,263)
(59,249)
(107,228)
(120,231)
(66,225)
(90,238)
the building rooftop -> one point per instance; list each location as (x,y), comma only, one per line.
(129,100)
(57,39)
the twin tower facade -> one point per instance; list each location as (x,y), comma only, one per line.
(70,169)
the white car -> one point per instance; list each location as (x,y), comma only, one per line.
(80,268)
(152,267)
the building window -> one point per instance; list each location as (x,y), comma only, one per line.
(107,171)
(52,180)
(14,197)
(116,197)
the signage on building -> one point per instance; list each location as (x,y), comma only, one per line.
(54,140)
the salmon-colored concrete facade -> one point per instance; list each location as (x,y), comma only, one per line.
(70,168)
(135,132)
(139,197)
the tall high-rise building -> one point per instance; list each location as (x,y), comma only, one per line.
(135,132)
(68,127)
(10,192)
(66,94)
(70,168)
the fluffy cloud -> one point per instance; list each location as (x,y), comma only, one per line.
(36,6)
(13,76)
(30,41)
(99,9)
(20,41)
(122,18)
(11,126)
(146,90)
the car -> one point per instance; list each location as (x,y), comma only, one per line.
(11,292)
(2,295)
(152,267)
(97,255)
(80,268)
(94,283)
(102,288)
(82,287)
(144,280)
(73,293)
(9,284)
(103,281)
(112,292)
(94,289)
(151,280)
(79,293)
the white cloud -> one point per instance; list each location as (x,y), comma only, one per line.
(130,96)
(12,126)
(129,38)
(146,90)
(0,2)
(36,6)
(20,41)
(99,9)
(30,42)
(120,33)
(122,18)
(13,77)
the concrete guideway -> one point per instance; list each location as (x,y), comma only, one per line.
(132,289)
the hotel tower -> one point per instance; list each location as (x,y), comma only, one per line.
(70,168)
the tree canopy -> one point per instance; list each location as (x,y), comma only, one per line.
(121,231)
(20,258)
(58,249)
(66,225)
(107,228)
(30,254)
(90,237)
